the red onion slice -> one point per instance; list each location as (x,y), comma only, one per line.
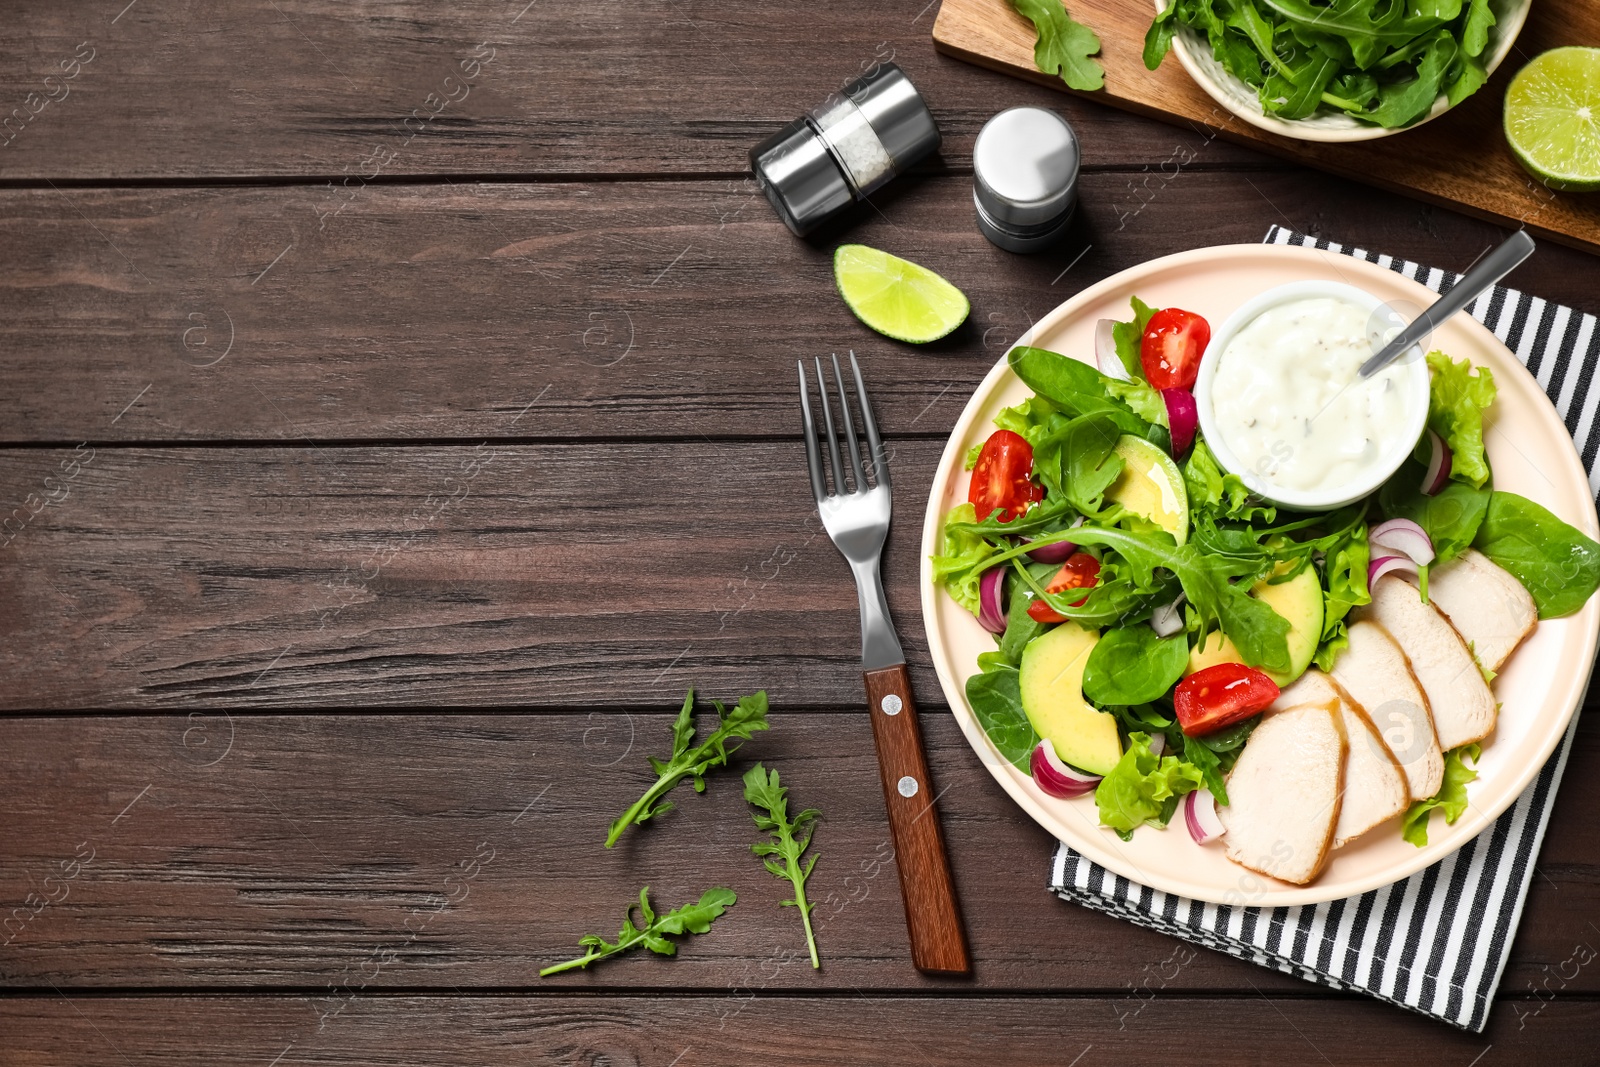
(1057,552)
(1183,418)
(1200,815)
(1438,465)
(1388,565)
(992,600)
(1405,537)
(1055,777)
(1168,618)
(1105,351)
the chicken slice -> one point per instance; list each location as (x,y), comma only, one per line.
(1374,671)
(1374,785)
(1486,604)
(1283,793)
(1462,706)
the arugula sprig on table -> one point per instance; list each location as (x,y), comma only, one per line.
(692,761)
(1064,46)
(653,933)
(791,838)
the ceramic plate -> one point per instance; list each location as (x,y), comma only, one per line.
(1540,688)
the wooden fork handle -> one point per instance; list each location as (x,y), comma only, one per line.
(933,919)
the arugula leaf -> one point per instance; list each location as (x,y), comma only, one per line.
(1402,103)
(791,837)
(1344,586)
(996,699)
(1555,562)
(1064,46)
(1134,665)
(1457,398)
(654,931)
(1215,494)
(1451,517)
(1451,797)
(736,723)
(1129,336)
(1209,765)
(959,568)
(1140,786)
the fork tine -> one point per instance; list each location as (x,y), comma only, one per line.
(849,429)
(833,438)
(880,460)
(819,488)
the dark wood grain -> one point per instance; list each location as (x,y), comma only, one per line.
(333,852)
(738,1029)
(633,310)
(211,89)
(933,915)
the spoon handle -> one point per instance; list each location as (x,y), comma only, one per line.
(1490,269)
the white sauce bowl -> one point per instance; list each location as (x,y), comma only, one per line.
(1395,442)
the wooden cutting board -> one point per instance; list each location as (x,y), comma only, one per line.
(1459,160)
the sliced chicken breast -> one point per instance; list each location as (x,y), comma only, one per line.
(1486,604)
(1283,793)
(1462,706)
(1374,786)
(1374,671)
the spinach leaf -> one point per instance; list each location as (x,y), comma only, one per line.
(1021,627)
(1457,399)
(996,699)
(1064,47)
(1143,787)
(1451,517)
(1133,665)
(1556,563)
(1078,389)
(1084,451)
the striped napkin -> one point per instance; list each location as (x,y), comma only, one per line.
(1436,942)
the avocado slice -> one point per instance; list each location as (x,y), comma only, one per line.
(1151,485)
(1052,697)
(1298,600)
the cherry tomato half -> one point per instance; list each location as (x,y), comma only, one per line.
(1219,696)
(1001,480)
(1080,571)
(1171,348)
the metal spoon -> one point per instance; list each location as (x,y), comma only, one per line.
(1490,269)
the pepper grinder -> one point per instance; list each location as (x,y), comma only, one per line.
(1025,178)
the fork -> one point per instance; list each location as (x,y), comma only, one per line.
(856,516)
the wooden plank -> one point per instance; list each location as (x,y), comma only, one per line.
(311,88)
(819,1031)
(1459,160)
(359,854)
(626,309)
(548,575)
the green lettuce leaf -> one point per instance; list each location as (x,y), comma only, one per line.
(1457,399)
(1129,338)
(1143,788)
(1451,797)
(960,566)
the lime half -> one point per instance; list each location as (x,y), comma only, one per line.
(895,296)
(1553,118)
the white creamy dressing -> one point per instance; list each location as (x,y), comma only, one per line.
(1290,404)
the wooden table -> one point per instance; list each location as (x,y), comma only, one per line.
(384,483)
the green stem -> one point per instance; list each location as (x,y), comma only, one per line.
(663,784)
(805,912)
(590,956)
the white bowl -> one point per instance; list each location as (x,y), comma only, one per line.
(1194,52)
(1396,448)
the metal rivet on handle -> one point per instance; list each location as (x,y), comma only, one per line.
(908,786)
(891,706)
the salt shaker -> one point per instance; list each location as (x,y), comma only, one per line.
(1025,178)
(845,149)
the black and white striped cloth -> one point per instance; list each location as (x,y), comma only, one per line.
(1436,942)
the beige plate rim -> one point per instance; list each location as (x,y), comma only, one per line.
(1566,647)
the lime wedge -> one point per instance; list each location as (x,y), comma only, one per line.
(896,297)
(1553,118)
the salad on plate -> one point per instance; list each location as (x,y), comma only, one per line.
(1173,645)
